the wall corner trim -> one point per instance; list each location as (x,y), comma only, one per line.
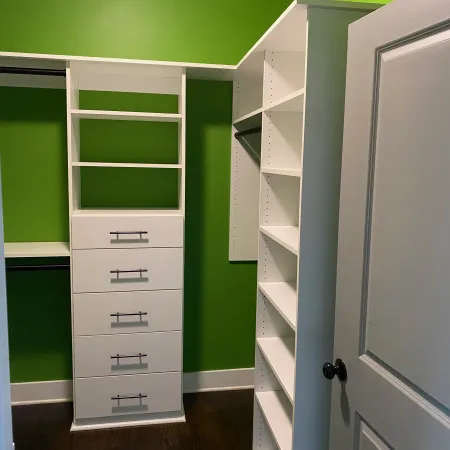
(58,391)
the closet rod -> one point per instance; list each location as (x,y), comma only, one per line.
(31,71)
(249,131)
(39,267)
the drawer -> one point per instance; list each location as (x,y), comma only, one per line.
(127,231)
(129,394)
(98,356)
(127,312)
(137,269)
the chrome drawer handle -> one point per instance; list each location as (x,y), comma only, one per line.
(139,397)
(136,355)
(118,272)
(118,314)
(117,236)
(127,397)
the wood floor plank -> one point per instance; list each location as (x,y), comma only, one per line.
(214,420)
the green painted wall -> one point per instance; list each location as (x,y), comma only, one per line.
(219,295)
(173,30)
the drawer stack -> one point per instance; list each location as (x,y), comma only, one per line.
(127,285)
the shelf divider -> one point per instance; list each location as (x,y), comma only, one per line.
(280,354)
(36,249)
(129,165)
(283,297)
(286,236)
(275,409)
(125,115)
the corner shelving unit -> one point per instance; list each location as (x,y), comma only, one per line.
(288,94)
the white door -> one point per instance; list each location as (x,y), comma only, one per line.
(5,389)
(393,291)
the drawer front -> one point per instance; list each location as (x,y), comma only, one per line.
(110,396)
(127,232)
(127,312)
(120,354)
(127,270)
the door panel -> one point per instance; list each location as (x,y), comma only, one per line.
(393,283)
(369,440)
(408,260)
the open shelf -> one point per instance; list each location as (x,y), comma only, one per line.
(292,102)
(129,165)
(125,115)
(285,172)
(283,296)
(287,236)
(251,115)
(96,212)
(280,354)
(36,249)
(275,409)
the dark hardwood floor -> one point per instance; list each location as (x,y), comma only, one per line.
(214,421)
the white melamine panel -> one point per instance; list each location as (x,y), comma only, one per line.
(127,312)
(279,201)
(117,231)
(96,270)
(125,115)
(248,86)
(369,440)
(129,165)
(275,264)
(277,412)
(282,140)
(284,75)
(91,81)
(36,249)
(283,297)
(128,212)
(293,102)
(286,236)
(279,352)
(97,397)
(124,354)
(269,321)
(262,438)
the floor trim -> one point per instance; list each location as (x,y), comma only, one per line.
(61,390)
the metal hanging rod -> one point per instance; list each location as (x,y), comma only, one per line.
(247,132)
(39,267)
(32,71)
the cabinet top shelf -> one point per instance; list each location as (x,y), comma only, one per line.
(125,115)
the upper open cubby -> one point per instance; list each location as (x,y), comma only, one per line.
(127,129)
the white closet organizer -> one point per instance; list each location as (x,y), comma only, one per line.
(288,108)
(127,265)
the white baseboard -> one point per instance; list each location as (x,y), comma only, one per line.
(61,391)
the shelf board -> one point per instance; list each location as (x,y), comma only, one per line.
(283,297)
(98,212)
(288,237)
(125,115)
(280,354)
(130,165)
(292,102)
(250,115)
(275,409)
(36,249)
(286,172)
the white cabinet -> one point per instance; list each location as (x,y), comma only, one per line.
(129,395)
(123,354)
(131,231)
(127,270)
(127,312)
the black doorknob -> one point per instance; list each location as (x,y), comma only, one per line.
(330,371)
